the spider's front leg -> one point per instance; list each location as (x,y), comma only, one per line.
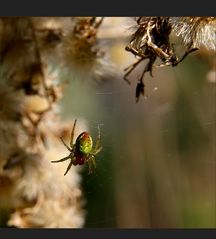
(70,165)
(72,134)
(98,146)
(70,149)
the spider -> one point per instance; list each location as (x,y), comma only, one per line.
(82,150)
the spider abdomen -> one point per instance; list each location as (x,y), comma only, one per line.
(84,143)
(79,159)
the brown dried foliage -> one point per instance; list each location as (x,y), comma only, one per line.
(30,127)
(152,40)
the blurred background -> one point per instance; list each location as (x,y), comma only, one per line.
(157,168)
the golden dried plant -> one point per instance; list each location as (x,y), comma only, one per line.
(35,191)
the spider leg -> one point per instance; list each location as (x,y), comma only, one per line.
(65,144)
(97,150)
(61,160)
(91,163)
(98,146)
(69,166)
(72,133)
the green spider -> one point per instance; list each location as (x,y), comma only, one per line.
(82,151)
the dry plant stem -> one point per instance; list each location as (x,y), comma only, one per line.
(30,128)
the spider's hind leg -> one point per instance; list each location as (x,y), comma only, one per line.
(69,166)
(61,160)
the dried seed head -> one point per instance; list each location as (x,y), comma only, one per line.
(82,52)
(196,32)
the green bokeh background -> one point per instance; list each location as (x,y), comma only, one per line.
(157,168)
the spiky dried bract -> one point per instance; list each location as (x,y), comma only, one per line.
(151,40)
(196,31)
(30,89)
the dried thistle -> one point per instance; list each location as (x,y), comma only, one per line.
(196,32)
(152,40)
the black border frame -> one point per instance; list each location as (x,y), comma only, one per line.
(108,8)
(11,233)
